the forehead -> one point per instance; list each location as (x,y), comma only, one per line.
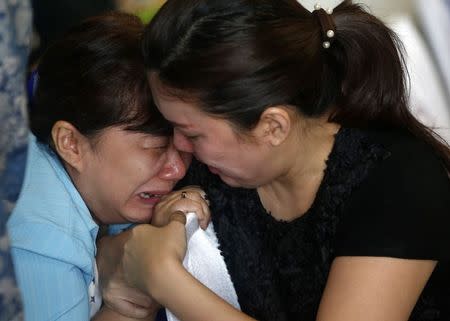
(184,111)
(115,136)
(160,89)
(175,106)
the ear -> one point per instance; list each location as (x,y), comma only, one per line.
(274,125)
(70,144)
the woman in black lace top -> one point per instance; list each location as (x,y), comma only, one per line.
(330,200)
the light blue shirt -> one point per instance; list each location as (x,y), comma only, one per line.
(52,236)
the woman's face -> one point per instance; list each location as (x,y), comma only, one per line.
(126,174)
(214,142)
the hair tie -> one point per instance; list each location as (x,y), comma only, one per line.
(326,23)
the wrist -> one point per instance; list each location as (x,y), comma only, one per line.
(103,256)
(164,279)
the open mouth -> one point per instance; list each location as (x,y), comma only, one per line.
(146,195)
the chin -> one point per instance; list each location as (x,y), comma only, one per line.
(136,217)
(240,183)
(231,181)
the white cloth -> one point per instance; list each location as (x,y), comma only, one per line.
(204,261)
(95,297)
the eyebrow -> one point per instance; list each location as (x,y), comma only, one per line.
(185,126)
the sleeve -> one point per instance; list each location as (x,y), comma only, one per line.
(115,229)
(401,210)
(51,289)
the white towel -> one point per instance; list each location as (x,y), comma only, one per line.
(204,261)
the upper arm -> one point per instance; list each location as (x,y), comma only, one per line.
(373,288)
(393,231)
(51,289)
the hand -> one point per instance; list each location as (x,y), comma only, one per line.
(150,250)
(188,199)
(117,294)
(152,262)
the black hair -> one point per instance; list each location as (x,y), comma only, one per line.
(238,57)
(52,18)
(94,77)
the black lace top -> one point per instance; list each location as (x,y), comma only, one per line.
(383,194)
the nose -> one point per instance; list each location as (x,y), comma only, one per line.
(181,142)
(176,164)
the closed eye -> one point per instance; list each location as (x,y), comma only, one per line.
(161,147)
(152,142)
(187,135)
(192,137)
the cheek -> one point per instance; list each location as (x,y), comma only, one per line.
(186,158)
(246,160)
(130,171)
(213,150)
(146,167)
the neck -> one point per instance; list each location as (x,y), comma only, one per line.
(292,193)
(75,178)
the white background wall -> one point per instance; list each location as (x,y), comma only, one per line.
(381,8)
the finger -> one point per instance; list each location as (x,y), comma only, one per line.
(199,196)
(178,216)
(129,309)
(172,195)
(185,201)
(202,213)
(189,193)
(206,218)
(205,198)
(186,205)
(164,208)
(192,192)
(196,195)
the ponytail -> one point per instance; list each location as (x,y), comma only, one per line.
(369,57)
(370,60)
